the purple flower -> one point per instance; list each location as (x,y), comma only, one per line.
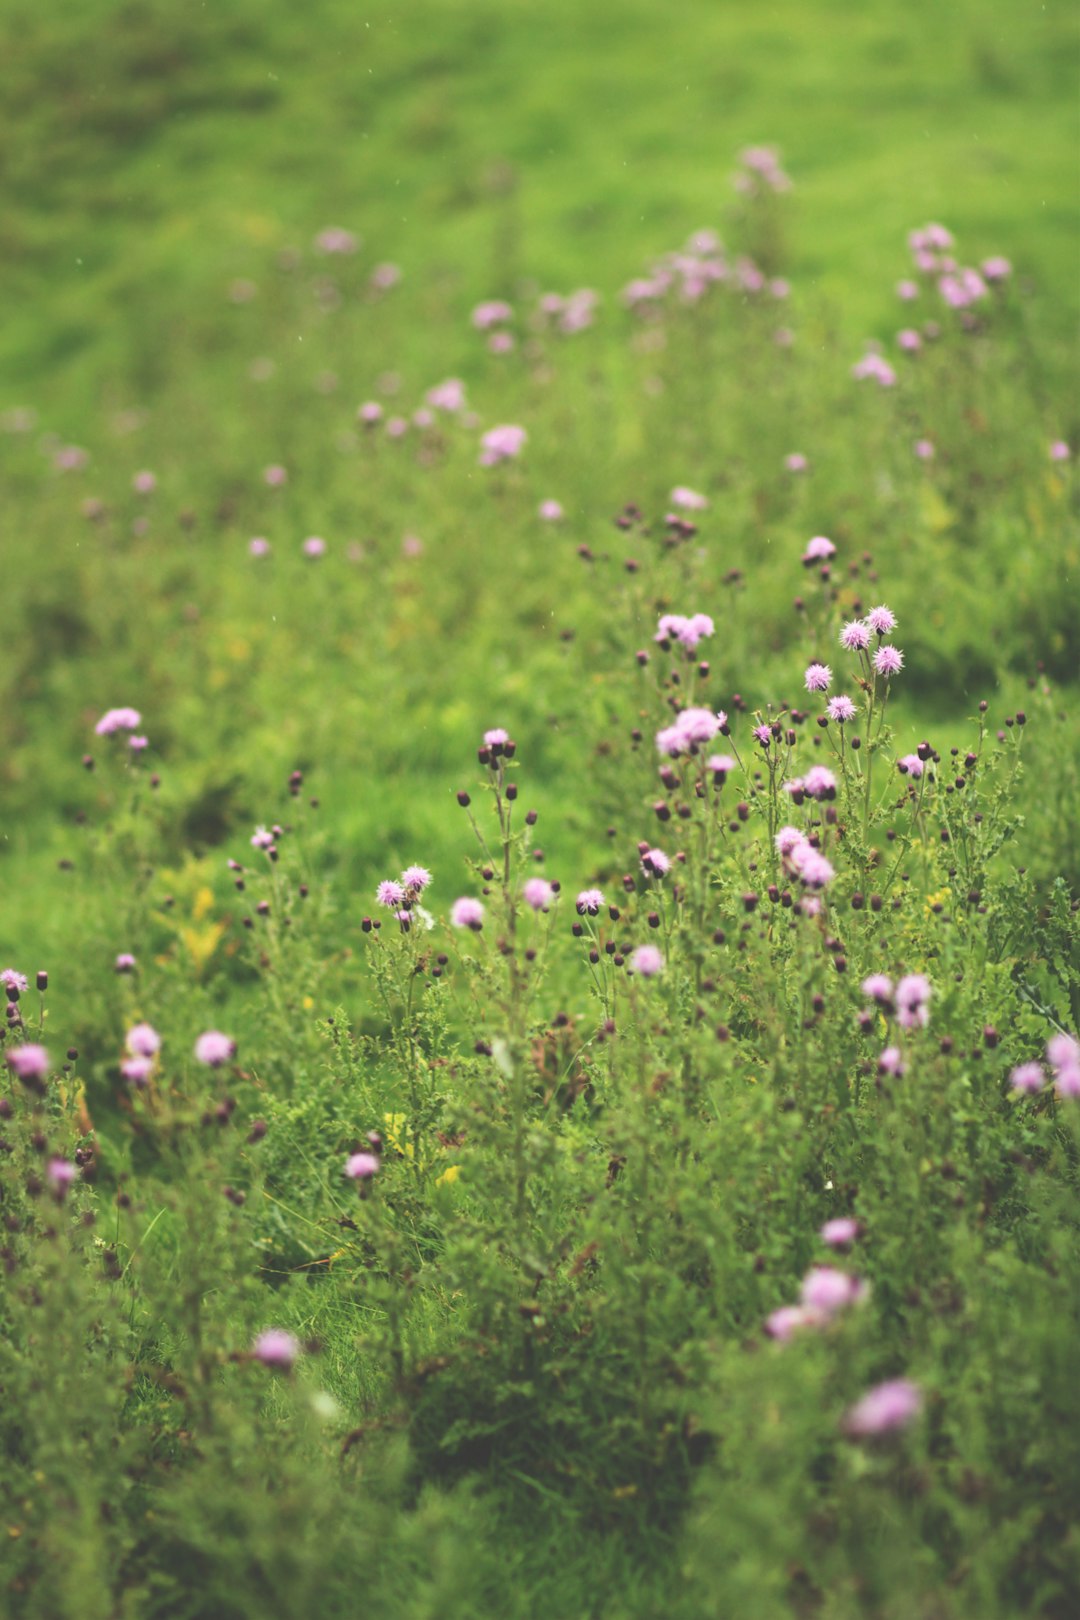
(841,1232)
(492,313)
(13,981)
(137,1070)
(275,476)
(841,709)
(907,290)
(873,366)
(819,549)
(467,913)
(818,678)
(811,866)
(213,1048)
(786,1321)
(855,635)
(143,1040)
(390,894)
(788,840)
(721,765)
(910,765)
(259,546)
(588,902)
(1027,1077)
(687,631)
(314,546)
(496,738)
(888,661)
(819,782)
(114,720)
(28,1062)
(1062,1050)
(416,879)
(262,839)
(909,340)
(688,499)
(538,893)
(885,1408)
(654,863)
(891,1062)
(691,728)
(124,963)
(878,987)
(276,1348)
(334,239)
(827,1290)
(550,512)
(1059,450)
(796,462)
(881,620)
(647,961)
(996,269)
(501,444)
(763,733)
(447,396)
(924,449)
(361,1166)
(912,1001)
(60,1173)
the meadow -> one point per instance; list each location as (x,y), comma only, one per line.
(539,762)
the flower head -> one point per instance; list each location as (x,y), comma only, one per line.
(839,1233)
(878,987)
(538,893)
(314,546)
(361,1166)
(783,1323)
(828,1290)
(647,961)
(855,635)
(885,1408)
(60,1173)
(688,499)
(910,765)
(550,512)
(497,737)
(214,1048)
(28,1062)
(259,546)
(390,894)
(501,444)
(841,709)
(143,1040)
(881,619)
(819,549)
(888,661)
(11,980)
(114,720)
(416,879)
(588,902)
(912,1001)
(1027,1077)
(819,782)
(124,963)
(276,1348)
(818,678)
(467,913)
(654,863)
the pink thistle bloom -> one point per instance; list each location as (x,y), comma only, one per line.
(688,499)
(818,677)
(655,863)
(60,1173)
(423,418)
(397,427)
(881,619)
(787,840)
(891,1062)
(496,737)
(686,631)
(1028,1077)
(259,546)
(699,725)
(841,709)
(11,980)
(888,661)
(910,765)
(336,240)
(213,1048)
(538,893)
(447,396)
(783,1323)
(819,549)
(588,902)
(878,987)
(1059,450)
(907,290)
(996,269)
(390,894)
(647,961)
(550,512)
(28,1062)
(820,782)
(276,1348)
(70,458)
(810,905)
(370,413)
(855,635)
(839,1233)
(1062,1050)
(884,1409)
(909,340)
(812,868)
(721,765)
(416,879)
(137,1070)
(796,462)
(114,720)
(142,1040)
(144,483)
(501,342)
(361,1166)
(874,366)
(924,449)
(385,276)
(124,963)
(275,476)
(467,913)
(827,1290)
(501,444)
(492,313)
(314,546)
(763,733)
(912,1001)
(1067,1080)
(262,839)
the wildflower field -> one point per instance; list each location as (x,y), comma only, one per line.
(540,910)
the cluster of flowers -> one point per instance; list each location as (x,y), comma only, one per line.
(689,274)
(401,896)
(114,721)
(569,314)
(908,1002)
(759,172)
(1063,1058)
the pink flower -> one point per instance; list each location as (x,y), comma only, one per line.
(416,879)
(60,1173)
(213,1048)
(788,840)
(1059,450)
(1067,1080)
(691,728)
(1027,1077)
(262,839)
(501,342)
(493,313)
(447,396)
(839,1233)
(124,963)
(786,1321)
(912,1001)
(550,512)
(688,499)
(721,765)
(818,677)
(811,867)
(855,635)
(827,1290)
(276,1348)
(335,240)
(390,894)
(878,987)
(874,366)
(259,547)
(820,783)
(314,546)
(588,902)
(361,1166)
(891,1062)
(924,449)
(1062,1050)
(143,1040)
(647,961)
(910,765)
(501,444)
(28,1062)
(114,720)
(996,269)
(688,632)
(13,981)
(841,709)
(275,476)
(467,913)
(654,863)
(888,661)
(881,620)
(144,483)
(385,276)
(909,340)
(819,549)
(538,893)
(907,290)
(497,738)
(885,1408)
(137,1070)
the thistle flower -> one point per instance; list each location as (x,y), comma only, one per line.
(416,879)
(884,1409)
(261,838)
(314,546)
(783,1323)
(819,782)
(467,913)
(550,512)
(1027,1077)
(500,444)
(28,1062)
(878,987)
(828,1290)
(114,720)
(912,1001)
(688,499)
(213,1048)
(654,863)
(11,980)
(390,894)
(538,893)
(60,1173)
(494,312)
(819,549)
(855,635)
(588,902)
(259,546)
(818,678)
(891,1062)
(796,462)
(721,765)
(1059,450)
(881,619)
(924,449)
(137,1070)
(124,963)
(142,1040)
(841,709)
(496,738)
(447,396)
(888,661)
(839,1233)
(276,1348)
(361,1166)
(647,961)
